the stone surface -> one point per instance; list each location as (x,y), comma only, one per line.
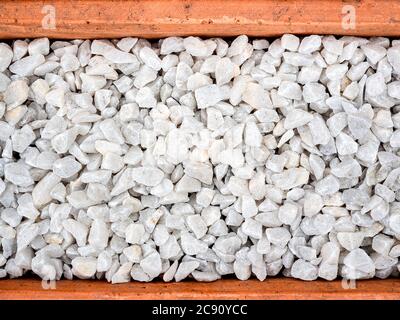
(132,159)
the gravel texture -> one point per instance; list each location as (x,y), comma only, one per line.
(191,158)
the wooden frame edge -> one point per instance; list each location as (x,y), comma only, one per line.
(162,18)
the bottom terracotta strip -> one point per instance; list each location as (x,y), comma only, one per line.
(276,288)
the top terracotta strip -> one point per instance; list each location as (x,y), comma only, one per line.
(161,18)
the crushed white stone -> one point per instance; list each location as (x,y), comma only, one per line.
(199,158)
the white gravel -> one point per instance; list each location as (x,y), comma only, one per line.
(200,158)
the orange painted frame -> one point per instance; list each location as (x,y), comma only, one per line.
(270,289)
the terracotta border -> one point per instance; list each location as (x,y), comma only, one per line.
(161,18)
